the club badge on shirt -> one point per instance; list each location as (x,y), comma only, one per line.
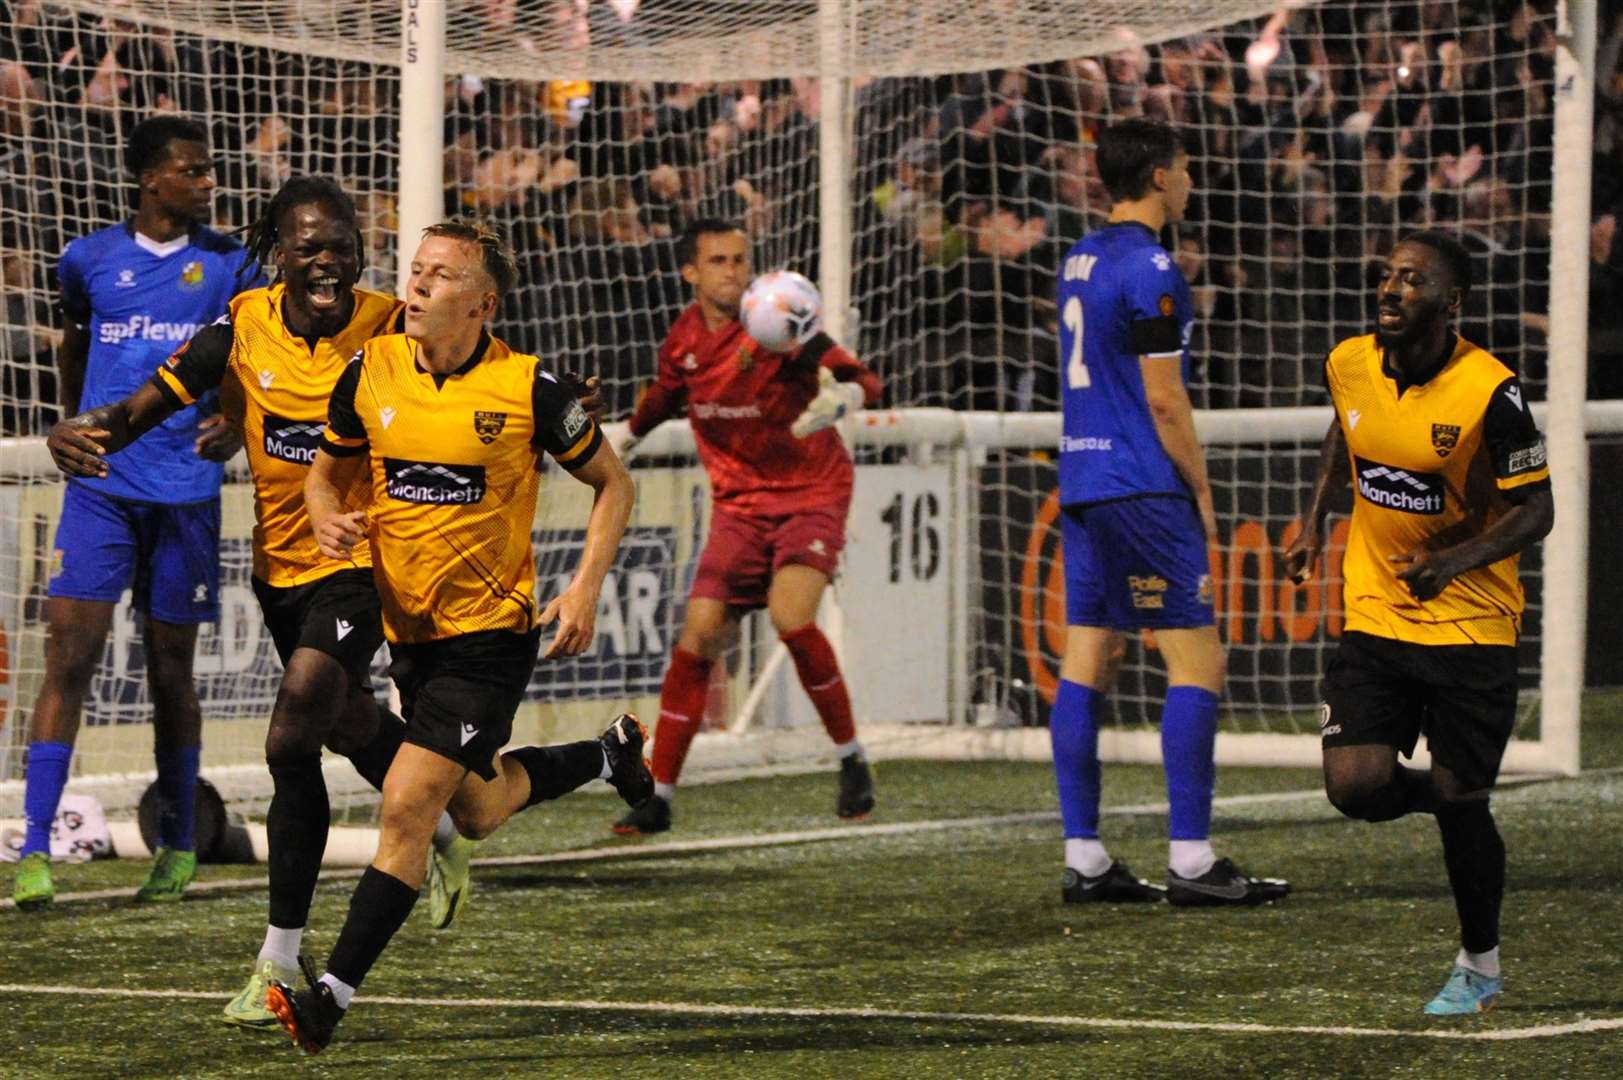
(488,425)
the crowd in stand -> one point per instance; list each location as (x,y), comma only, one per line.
(1315,137)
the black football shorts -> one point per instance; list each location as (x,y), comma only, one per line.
(339,615)
(1462,697)
(459,694)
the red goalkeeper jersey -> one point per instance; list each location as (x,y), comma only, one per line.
(741,399)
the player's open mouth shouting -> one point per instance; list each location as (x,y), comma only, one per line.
(324,291)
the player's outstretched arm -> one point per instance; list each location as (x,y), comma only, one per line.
(575,609)
(80,444)
(662,400)
(1174,419)
(1334,473)
(665,397)
(337,530)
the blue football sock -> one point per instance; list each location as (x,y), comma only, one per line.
(177,786)
(1188,732)
(1073,727)
(42,791)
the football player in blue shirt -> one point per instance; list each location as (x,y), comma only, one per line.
(1137,517)
(132,294)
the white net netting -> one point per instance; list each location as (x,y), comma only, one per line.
(591,132)
(681,40)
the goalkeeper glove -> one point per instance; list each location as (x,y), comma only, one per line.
(622,442)
(833,401)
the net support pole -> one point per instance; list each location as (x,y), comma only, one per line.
(833,173)
(834,212)
(422,126)
(1566,565)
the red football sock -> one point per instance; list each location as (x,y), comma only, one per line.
(681,709)
(820,675)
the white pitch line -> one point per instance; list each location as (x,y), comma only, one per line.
(759,840)
(810,1012)
(718,843)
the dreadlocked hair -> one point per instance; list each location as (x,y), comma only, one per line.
(260,236)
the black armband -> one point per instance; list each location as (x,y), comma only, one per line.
(1159,336)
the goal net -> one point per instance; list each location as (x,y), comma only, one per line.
(960,136)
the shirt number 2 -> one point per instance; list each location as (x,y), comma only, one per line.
(1076,372)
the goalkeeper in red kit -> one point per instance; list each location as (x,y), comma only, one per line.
(781,480)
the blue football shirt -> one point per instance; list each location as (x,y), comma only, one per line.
(1120,297)
(142,300)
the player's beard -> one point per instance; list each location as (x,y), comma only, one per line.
(1417,326)
(1392,339)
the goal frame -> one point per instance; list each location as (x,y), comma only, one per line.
(1565,549)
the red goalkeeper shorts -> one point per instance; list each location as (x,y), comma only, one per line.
(744,551)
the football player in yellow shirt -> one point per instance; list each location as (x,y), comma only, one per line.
(275,357)
(447,424)
(1450,487)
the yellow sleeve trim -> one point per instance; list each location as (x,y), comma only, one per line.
(339,440)
(579,448)
(176,386)
(1507,484)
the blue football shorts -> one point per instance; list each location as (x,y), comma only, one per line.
(169,555)
(1137,564)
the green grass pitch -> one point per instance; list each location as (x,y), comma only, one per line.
(963,923)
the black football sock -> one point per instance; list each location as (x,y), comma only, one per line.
(296,832)
(1419,793)
(1475,855)
(377,909)
(372,761)
(1410,791)
(558,770)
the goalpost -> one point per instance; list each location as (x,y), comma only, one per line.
(885,147)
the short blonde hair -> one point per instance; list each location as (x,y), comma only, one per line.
(495,256)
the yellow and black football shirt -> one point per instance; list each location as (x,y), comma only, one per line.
(454,470)
(275,385)
(1433,463)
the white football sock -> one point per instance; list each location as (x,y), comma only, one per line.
(341,991)
(1086,855)
(846,749)
(1191,858)
(444,833)
(282,946)
(665,791)
(1483,963)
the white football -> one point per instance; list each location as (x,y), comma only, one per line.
(782,310)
